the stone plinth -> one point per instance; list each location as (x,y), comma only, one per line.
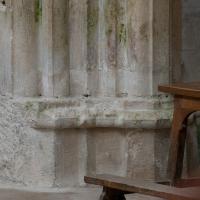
(54,142)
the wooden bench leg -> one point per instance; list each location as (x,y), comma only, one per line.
(112,194)
(177,143)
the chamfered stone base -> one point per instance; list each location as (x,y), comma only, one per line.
(41,146)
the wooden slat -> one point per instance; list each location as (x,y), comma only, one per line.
(144,187)
(192,182)
(184,89)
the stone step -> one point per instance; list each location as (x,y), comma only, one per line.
(59,194)
(50,194)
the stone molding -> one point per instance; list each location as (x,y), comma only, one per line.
(140,113)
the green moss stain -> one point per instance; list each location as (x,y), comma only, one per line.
(113,13)
(28,106)
(109,31)
(38,10)
(121,27)
(122,33)
(110,16)
(92,20)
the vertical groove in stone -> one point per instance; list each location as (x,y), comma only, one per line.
(91,152)
(139,47)
(107,48)
(78,47)
(122,59)
(96,47)
(124,154)
(6,49)
(82,156)
(176,40)
(60,48)
(54,49)
(160,71)
(134,49)
(124,45)
(47,48)
(25,72)
(92,45)
(102,44)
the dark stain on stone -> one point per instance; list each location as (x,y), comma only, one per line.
(144,31)
(132,42)
(3,3)
(92,21)
(122,33)
(38,10)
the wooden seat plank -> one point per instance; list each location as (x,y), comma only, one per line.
(189,182)
(183,89)
(144,187)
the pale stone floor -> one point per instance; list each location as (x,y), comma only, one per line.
(80,194)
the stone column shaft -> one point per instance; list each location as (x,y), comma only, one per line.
(54,49)
(25,73)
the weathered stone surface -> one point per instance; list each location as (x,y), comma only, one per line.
(140,148)
(27,154)
(104,113)
(6,50)
(191,41)
(70,157)
(106,49)
(24,54)
(53,47)
(94,67)
(61,156)
(141,197)
(50,194)
(107,151)
(161,147)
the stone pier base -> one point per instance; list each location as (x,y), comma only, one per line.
(56,142)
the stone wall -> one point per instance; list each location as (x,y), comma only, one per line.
(191,40)
(78,85)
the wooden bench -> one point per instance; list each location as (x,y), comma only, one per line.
(116,187)
(186,102)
